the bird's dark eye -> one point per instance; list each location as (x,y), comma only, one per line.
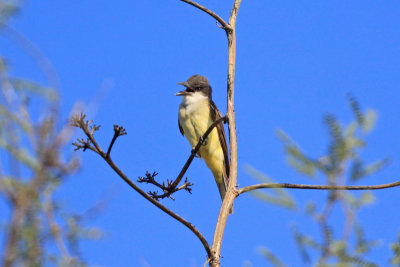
(198,88)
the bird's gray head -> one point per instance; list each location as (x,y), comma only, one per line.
(196,84)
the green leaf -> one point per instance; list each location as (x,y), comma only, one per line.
(21,154)
(358,170)
(338,247)
(376,166)
(370,120)
(296,158)
(334,128)
(338,150)
(367,198)
(10,184)
(351,129)
(7,10)
(281,197)
(303,242)
(270,257)
(311,208)
(352,142)
(395,246)
(32,87)
(363,246)
(276,200)
(355,107)
(26,127)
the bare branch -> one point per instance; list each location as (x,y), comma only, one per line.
(172,186)
(167,189)
(224,25)
(80,122)
(149,179)
(318,187)
(160,206)
(118,131)
(196,149)
(83,144)
(231,192)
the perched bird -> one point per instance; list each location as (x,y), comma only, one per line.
(197,112)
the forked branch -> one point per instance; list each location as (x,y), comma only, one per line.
(231,192)
(168,189)
(80,122)
(172,187)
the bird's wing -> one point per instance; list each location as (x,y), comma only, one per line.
(180,127)
(215,114)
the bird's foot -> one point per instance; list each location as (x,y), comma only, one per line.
(203,141)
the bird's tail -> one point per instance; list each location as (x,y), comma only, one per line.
(222,187)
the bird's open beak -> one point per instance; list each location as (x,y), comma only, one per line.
(184,92)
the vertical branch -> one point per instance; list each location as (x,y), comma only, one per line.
(54,227)
(11,246)
(231,193)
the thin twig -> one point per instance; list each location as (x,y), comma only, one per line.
(167,189)
(224,25)
(320,187)
(172,187)
(160,206)
(118,131)
(195,150)
(79,121)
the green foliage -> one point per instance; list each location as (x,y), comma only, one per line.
(38,231)
(34,89)
(358,169)
(271,257)
(341,165)
(7,10)
(296,158)
(303,243)
(395,246)
(279,197)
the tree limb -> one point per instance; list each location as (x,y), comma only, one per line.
(231,192)
(224,25)
(160,206)
(79,121)
(320,187)
(172,187)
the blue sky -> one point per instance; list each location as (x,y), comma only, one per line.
(296,60)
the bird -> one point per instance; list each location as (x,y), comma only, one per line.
(197,111)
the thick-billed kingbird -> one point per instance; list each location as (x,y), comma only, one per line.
(197,112)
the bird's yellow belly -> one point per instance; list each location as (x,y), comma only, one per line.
(195,122)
